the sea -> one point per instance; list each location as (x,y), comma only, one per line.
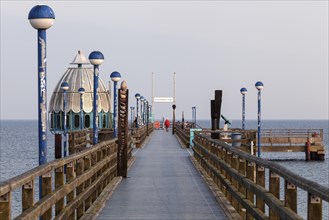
(19,153)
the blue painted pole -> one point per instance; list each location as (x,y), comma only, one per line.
(81,111)
(95,106)
(137,115)
(115,97)
(243,111)
(42,94)
(259,122)
(64,123)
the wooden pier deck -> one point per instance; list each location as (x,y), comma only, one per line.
(162,184)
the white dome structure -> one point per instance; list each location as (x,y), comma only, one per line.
(79,77)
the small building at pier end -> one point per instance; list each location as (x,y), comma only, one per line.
(79,105)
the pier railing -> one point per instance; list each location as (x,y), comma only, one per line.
(241,177)
(70,185)
(140,133)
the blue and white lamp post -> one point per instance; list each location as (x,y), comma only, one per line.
(81,92)
(142,109)
(115,77)
(243,91)
(259,86)
(42,17)
(96,58)
(137,96)
(65,86)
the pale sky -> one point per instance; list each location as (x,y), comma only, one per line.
(211,45)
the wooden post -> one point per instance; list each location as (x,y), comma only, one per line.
(58,146)
(5,206)
(228,176)
(275,190)
(215,106)
(234,165)
(260,180)
(251,176)
(80,169)
(46,189)
(70,175)
(27,195)
(59,181)
(87,165)
(314,207)
(241,188)
(290,195)
(123,130)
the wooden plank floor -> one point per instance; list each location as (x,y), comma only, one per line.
(162,184)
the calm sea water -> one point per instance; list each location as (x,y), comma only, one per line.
(19,151)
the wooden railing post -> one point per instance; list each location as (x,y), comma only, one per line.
(251,176)
(46,189)
(260,180)
(275,190)
(80,170)
(70,175)
(59,181)
(290,195)
(241,188)
(27,195)
(228,176)
(5,206)
(314,208)
(87,165)
(234,165)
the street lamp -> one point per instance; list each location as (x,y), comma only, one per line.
(42,17)
(131,116)
(65,86)
(96,58)
(137,96)
(243,91)
(81,92)
(259,86)
(173,124)
(115,77)
(142,109)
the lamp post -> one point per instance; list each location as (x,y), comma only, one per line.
(131,116)
(173,123)
(81,92)
(137,96)
(147,118)
(115,77)
(42,17)
(65,86)
(194,115)
(259,86)
(243,91)
(96,58)
(142,110)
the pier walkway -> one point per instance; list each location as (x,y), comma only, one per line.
(162,184)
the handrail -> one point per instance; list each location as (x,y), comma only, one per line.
(221,160)
(87,173)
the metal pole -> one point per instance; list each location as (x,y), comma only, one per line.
(173,124)
(131,117)
(147,120)
(64,123)
(137,115)
(81,112)
(243,111)
(259,122)
(115,110)
(42,97)
(95,106)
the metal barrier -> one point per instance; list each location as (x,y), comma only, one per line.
(241,177)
